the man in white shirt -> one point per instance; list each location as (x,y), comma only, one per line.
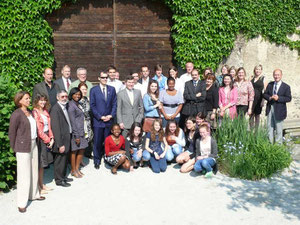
(112,81)
(188,75)
(145,79)
(65,81)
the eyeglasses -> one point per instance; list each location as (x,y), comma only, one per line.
(103,77)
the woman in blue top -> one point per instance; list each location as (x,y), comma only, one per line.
(159,77)
(151,101)
(153,145)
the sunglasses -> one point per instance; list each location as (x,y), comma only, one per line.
(103,77)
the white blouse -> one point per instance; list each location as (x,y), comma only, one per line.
(32,127)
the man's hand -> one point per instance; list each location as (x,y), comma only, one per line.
(198,94)
(61,149)
(122,126)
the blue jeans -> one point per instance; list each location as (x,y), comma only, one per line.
(205,164)
(164,121)
(134,156)
(173,151)
(158,165)
(146,155)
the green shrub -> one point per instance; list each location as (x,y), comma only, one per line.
(248,154)
(7,158)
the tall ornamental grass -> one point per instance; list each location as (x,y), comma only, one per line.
(248,154)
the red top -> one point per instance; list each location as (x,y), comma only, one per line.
(110,145)
(40,125)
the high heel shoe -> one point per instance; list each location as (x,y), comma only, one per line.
(22,210)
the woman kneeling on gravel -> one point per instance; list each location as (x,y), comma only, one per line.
(206,152)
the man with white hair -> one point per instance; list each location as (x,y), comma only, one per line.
(188,75)
(82,77)
(65,81)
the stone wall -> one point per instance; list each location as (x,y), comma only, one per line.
(270,56)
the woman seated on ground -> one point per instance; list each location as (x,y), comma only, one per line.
(45,137)
(153,145)
(172,101)
(115,154)
(135,145)
(206,152)
(227,98)
(78,140)
(175,139)
(186,158)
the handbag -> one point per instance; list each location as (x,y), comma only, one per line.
(148,121)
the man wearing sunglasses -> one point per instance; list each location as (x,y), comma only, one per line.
(103,102)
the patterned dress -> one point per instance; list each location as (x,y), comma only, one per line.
(84,105)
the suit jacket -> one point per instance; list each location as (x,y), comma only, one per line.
(141,80)
(193,104)
(19,132)
(284,96)
(60,83)
(100,107)
(40,88)
(127,113)
(60,128)
(76,116)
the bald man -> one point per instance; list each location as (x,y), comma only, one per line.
(46,87)
(277,94)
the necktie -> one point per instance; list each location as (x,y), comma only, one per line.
(275,89)
(68,84)
(195,83)
(104,93)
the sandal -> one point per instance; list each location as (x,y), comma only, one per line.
(75,174)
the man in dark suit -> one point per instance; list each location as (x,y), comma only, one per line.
(62,130)
(103,102)
(65,81)
(47,87)
(277,94)
(130,107)
(194,97)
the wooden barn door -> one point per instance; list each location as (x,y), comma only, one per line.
(98,33)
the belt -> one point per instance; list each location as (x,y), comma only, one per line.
(170,105)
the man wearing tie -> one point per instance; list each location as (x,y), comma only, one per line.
(65,81)
(103,102)
(277,94)
(130,106)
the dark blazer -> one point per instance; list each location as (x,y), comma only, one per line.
(214,148)
(100,107)
(76,116)
(141,80)
(19,132)
(194,104)
(40,88)
(60,83)
(284,96)
(60,128)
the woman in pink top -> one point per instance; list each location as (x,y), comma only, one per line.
(245,93)
(228,97)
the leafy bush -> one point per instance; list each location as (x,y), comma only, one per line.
(7,158)
(248,154)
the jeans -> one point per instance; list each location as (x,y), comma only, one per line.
(205,164)
(173,151)
(158,165)
(146,155)
(274,124)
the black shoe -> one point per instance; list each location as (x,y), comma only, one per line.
(68,179)
(63,184)
(97,167)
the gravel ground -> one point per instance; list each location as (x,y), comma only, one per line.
(142,197)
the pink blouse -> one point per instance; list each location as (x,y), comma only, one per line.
(40,125)
(245,92)
(229,98)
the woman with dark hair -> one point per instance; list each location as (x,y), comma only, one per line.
(206,72)
(245,92)
(84,105)
(22,135)
(172,101)
(153,144)
(175,139)
(186,158)
(211,100)
(232,73)
(224,71)
(45,137)
(173,72)
(228,98)
(159,77)
(78,140)
(134,145)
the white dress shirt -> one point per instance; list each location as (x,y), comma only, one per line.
(130,95)
(65,82)
(117,84)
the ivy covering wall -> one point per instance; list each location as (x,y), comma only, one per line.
(203,32)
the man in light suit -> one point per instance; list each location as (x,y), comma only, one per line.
(103,102)
(65,81)
(130,106)
(62,130)
(46,87)
(277,94)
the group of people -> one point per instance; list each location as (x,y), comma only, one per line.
(143,120)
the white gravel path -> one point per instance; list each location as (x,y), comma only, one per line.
(143,198)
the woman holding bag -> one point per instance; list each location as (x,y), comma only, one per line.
(152,105)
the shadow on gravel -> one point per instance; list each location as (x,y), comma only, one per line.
(277,193)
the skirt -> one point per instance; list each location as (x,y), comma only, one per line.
(114,159)
(45,156)
(83,144)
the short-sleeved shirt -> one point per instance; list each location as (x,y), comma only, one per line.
(154,145)
(165,98)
